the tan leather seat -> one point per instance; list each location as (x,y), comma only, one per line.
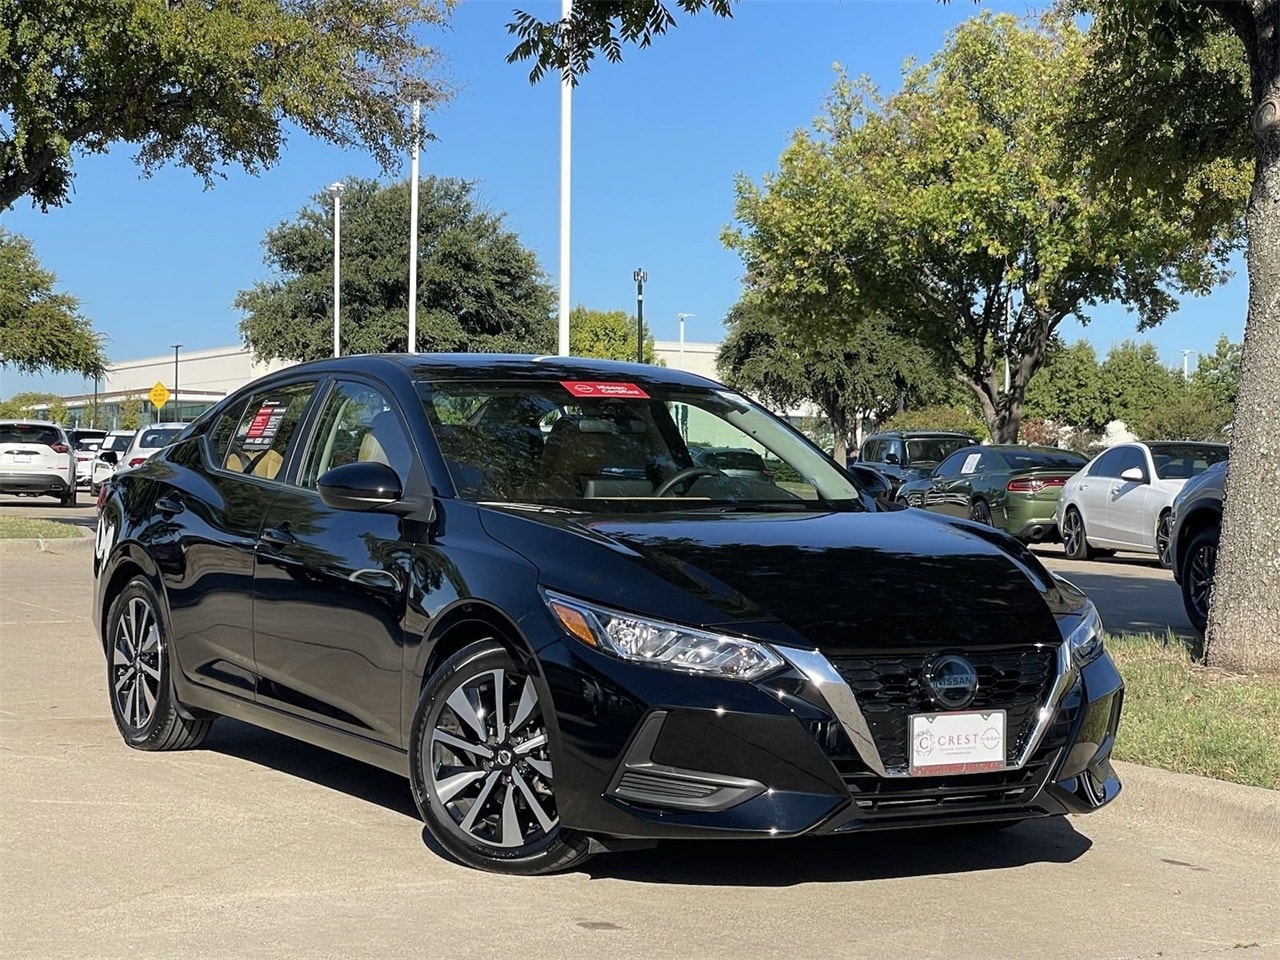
(580,448)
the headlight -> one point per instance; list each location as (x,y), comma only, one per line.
(1085,641)
(662,644)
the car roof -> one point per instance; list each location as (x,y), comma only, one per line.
(911,434)
(498,366)
(31,423)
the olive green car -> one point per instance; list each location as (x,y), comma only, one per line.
(1012,487)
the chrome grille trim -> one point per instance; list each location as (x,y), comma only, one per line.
(843,704)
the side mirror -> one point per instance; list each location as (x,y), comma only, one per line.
(365,485)
(892,458)
(1134,474)
(109,456)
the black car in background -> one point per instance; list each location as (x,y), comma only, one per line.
(1195,524)
(507,579)
(905,455)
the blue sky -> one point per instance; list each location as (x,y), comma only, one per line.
(657,142)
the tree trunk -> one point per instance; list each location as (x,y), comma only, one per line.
(840,430)
(1244,612)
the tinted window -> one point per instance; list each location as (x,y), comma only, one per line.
(1042,460)
(1182,461)
(264,426)
(925,450)
(357,424)
(952,466)
(872,450)
(1107,465)
(1129,458)
(29,433)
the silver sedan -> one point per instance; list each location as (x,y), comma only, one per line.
(1121,499)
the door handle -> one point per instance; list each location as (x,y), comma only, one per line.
(277,537)
(170,505)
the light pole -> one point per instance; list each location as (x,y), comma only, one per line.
(413,232)
(682,317)
(176,348)
(335,190)
(640,277)
(566,116)
(1186,375)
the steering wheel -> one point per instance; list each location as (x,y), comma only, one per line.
(688,473)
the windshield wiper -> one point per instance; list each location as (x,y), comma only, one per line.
(759,506)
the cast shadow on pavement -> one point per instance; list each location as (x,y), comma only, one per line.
(321,767)
(872,856)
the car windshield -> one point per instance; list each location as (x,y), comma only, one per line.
(605,447)
(921,450)
(159,437)
(1043,459)
(1182,461)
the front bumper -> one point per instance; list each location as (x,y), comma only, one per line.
(649,753)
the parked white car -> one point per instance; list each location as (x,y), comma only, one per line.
(149,440)
(1121,499)
(108,458)
(36,459)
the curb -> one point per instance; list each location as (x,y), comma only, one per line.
(1229,811)
(53,545)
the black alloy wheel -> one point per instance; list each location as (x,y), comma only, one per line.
(1164,540)
(1074,542)
(980,512)
(480,765)
(1197,576)
(143,702)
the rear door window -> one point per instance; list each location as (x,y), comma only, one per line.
(265,425)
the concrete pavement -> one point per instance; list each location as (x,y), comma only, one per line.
(259,847)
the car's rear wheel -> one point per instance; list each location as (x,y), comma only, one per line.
(980,512)
(68,498)
(1197,576)
(139,683)
(480,766)
(1074,542)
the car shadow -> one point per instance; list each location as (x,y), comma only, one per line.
(882,855)
(321,767)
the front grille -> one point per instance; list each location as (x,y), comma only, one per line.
(889,689)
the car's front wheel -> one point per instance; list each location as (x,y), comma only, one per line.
(143,702)
(1074,542)
(1197,576)
(480,766)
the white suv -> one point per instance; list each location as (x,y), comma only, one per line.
(36,459)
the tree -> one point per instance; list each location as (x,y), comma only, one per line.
(207,85)
(131,413)
(1198,92)
(479,289)
(598,26)
(23,406)
(41,329)
(1133,383)
(939,417)
(955,206)
(1218,373)
(608,334)
(869,376)
(1193,414)
(1067,388)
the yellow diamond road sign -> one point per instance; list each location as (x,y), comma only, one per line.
(159,395)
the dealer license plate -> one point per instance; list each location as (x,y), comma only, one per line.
(945,743)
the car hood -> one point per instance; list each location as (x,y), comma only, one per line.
(834,580)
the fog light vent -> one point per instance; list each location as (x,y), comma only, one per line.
(656,788)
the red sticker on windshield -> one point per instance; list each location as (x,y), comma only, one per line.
(595,388)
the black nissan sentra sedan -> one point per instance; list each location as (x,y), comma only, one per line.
(508,579)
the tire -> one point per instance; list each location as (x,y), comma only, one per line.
(979,512)
(1164,540)
(1198,565)
(457,790)
(1075,544)
(139,682)
(68,499)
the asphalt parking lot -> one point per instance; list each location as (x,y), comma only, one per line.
(259,847)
